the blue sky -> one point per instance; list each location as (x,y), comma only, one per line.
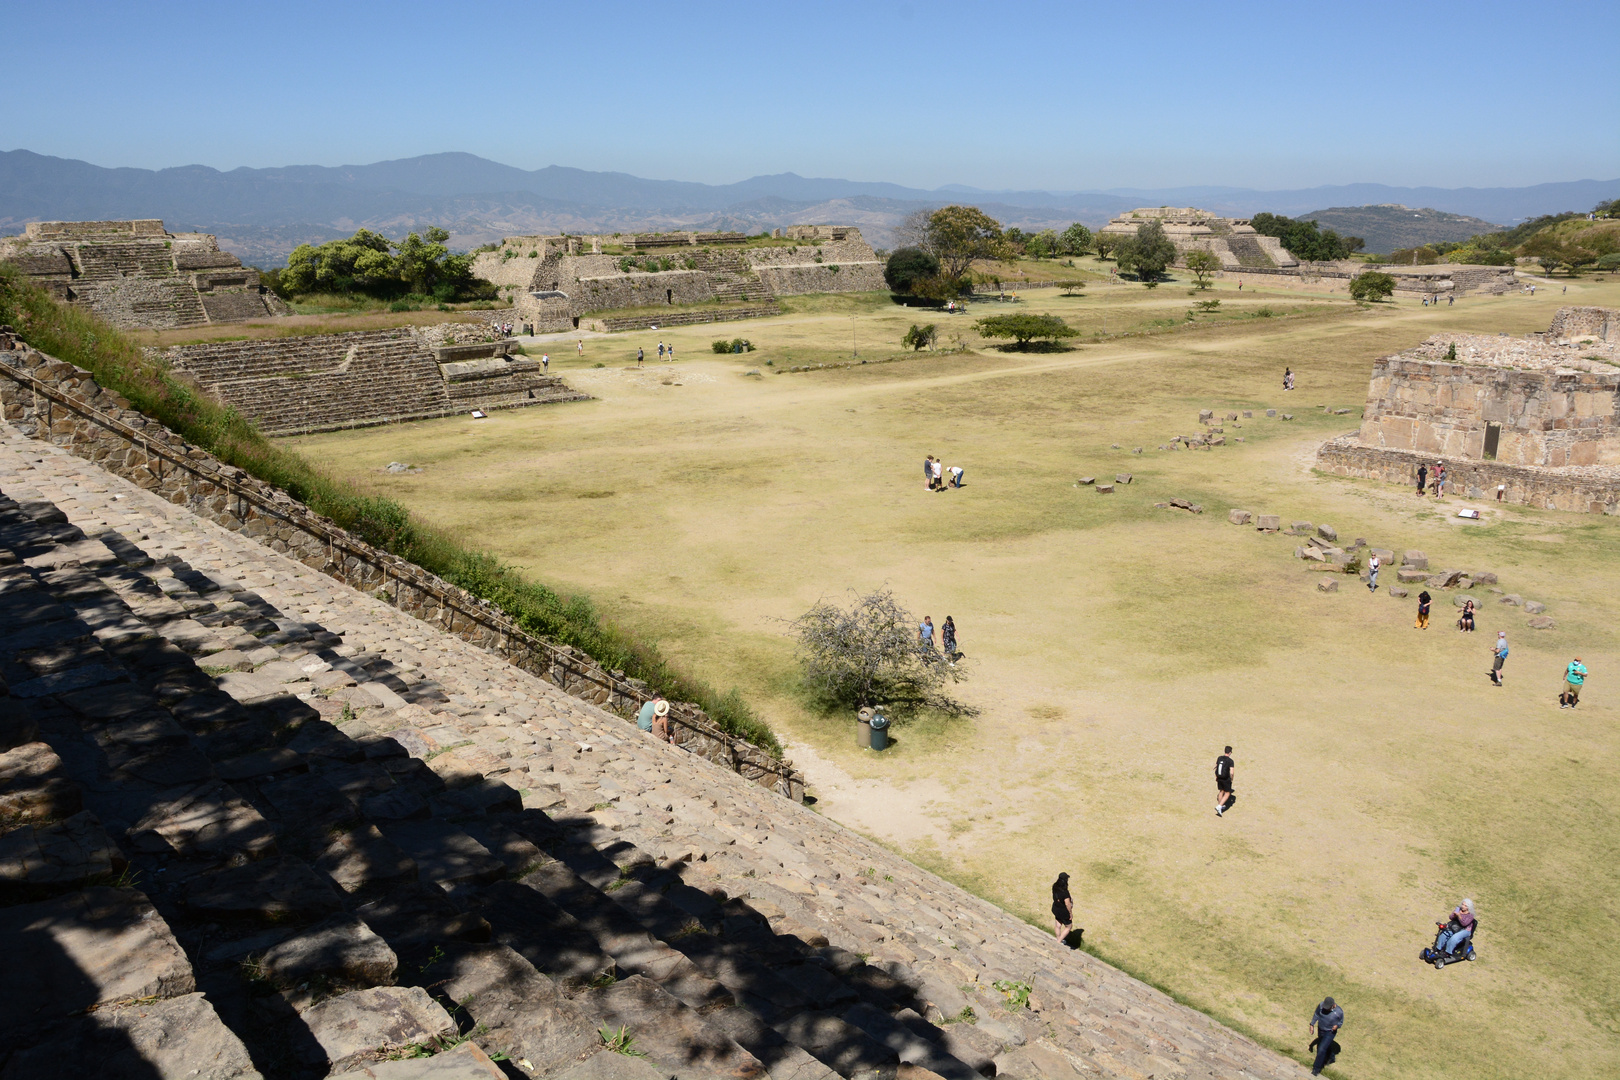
(1062,96)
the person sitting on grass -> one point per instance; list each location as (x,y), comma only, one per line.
(1466,622)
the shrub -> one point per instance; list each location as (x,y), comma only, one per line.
(907,267)
(870,654)
(720,346)
(1372,286)
(919,337)
(1025,328)
(80,338)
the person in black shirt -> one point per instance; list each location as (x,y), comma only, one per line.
(1062,907)
(1423,479)
(1225,769)
(1424,599)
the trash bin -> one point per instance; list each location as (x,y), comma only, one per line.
(863,729)
(880,729)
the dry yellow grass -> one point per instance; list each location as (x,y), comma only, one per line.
(1116,647)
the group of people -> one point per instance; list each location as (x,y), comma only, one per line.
(654,717)
(1435,479)
(1434,301)
(665,352)
(1288,378)
(938,477)
(947,639)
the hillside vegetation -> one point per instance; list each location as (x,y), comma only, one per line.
(1390,226)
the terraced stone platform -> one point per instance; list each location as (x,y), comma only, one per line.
(256,823)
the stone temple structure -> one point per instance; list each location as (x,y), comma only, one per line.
(1244,251)
(1531,420)
(1233,240)
(556,281)
(136,275)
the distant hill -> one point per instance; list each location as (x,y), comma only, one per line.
(262,214)
(1390,226)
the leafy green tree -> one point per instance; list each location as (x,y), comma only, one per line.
(906,267)
(367,263)
(1025,328)
(1204,265)
(1305,240)
(425,264)
(869,654)
(1075,240)
(1107,244)
(1371,286)
(919,338)
(1545,248)
(962,235)
(1043,245)
(1609,262)
(1147,253)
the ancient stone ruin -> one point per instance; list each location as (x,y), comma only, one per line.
(267,811)
(137,276)
(555,282)
(325,382)
(1537,417)
(1244,251)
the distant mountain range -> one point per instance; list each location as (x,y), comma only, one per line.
(261,214)
(1391,226)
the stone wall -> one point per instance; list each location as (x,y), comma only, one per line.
(1579,489)
(1576,323)
(825,278)
(52,400)
(75,230)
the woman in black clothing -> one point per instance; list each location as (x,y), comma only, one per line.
(1466,623)
(1062,907)
(948,639)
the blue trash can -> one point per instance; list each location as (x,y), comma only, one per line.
(880,729)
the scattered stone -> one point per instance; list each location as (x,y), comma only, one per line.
(352,1026)
(1190,507)
(1238,439)
(1300,528)
(1239,517)
(1398,593)
(1287,416)
(1105,489)
(1340,412)
(1462,598)
(1271,413)
(1314,553)
(1327,585)
(1122,478)
(1445,579)
(1328,533)
(1231,416)
(1541,622)
(1268,523)
(1534,607)
(1219,440)
(1138,450)
(1206,414)
(1113,446)
(1416,560)
(1512,598)
(1385,556)
(1484,577)
(1161,506)
(1408,576)
(1088,480)
(1248,414)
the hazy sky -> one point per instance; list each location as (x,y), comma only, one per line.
(1059,96)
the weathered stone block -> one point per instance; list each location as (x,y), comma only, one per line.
(352,1026)
(1269,523)
(1239,517)
(1105,489)
(1328,533)
(1534,607)
(1415,559)
(1541,622)
(181,1037)
(1327,585)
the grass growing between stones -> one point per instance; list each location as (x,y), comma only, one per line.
(78,337)
(1116,646)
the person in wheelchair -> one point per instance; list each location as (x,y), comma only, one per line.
(1455,937)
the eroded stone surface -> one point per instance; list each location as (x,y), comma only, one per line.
(341,947)
(352,1026)
(178,1039)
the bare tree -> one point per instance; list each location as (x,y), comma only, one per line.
(870,654)
(912,232)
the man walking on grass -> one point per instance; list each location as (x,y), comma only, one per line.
(1499,656)
(1327,1019)
(1225,771)
(1574,679)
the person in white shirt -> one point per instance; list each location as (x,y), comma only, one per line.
(1373,565)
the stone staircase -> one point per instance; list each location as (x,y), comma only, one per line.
(102,262)
(297,385)
(1249,253)
(255,823)
(732,277)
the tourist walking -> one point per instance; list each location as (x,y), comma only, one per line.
(660,350)
(1499,655)
(545,362)
(581,343)
(1225,773)
(1374,564)
(1062,908)
(1574,679)
(925,635)
(1327,1018)
(1465,624)
(1423,479)
(640,356)
(1423,610)
(671,356)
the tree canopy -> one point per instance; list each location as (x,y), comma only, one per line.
(870,654)
(1147,253)
(1076,239)
(960,235)
(1025,328)
(1372,285)
(372,264)
(1204,265)
(1304,240)
(907,267)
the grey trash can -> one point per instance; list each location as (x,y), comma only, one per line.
(863,729)
(880,729)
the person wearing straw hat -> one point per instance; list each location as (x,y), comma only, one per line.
(661,721)
(649,709)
